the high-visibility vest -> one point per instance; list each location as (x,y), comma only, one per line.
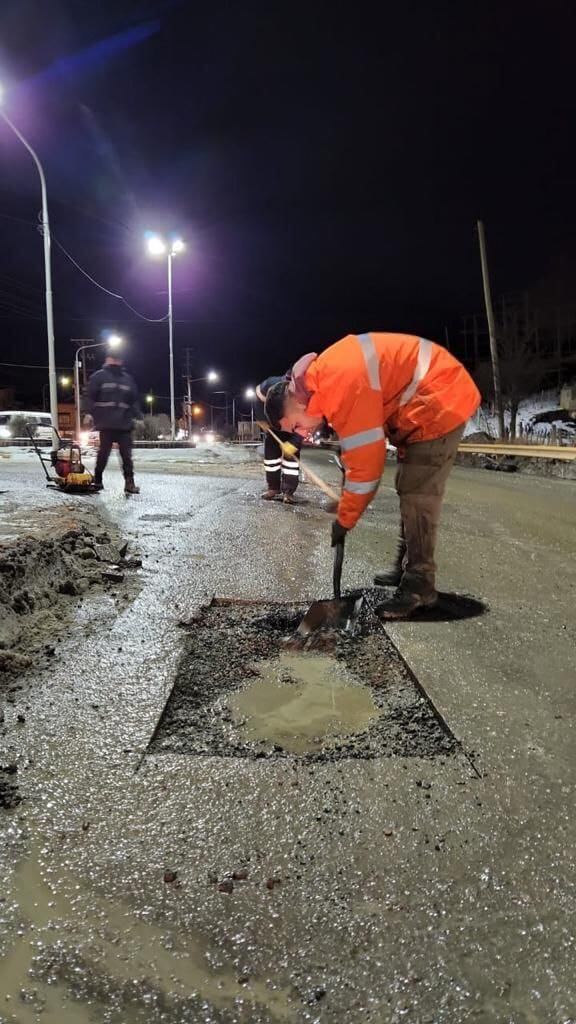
(373,386)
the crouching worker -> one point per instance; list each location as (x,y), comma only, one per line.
(371,387)
(282,467)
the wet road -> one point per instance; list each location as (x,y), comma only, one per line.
(386,890)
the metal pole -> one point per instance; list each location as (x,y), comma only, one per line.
(82,348)
(233,416)
(77,395)
(171,342)
(252,417)
(491,332)
(189,408)
(48,282)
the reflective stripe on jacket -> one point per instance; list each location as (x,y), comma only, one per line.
(113,400)
(373,386)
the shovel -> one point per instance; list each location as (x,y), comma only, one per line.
(338,613)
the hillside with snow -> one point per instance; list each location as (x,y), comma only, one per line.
(486,421)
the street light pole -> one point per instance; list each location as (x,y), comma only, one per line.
(158,247)
(113,342)
(188,407)
(250,394)
(171,344)
(48,282)
(226,397)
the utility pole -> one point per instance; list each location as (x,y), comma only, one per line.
(491,332)
(80,343)
(188,394)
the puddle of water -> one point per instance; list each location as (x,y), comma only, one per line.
(50,1004)
(303,703)
(118,946)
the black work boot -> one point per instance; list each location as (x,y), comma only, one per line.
(391,577)
(270,495)
(404,604)
(97,484)
(130,486)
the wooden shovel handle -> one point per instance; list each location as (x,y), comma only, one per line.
(308,473)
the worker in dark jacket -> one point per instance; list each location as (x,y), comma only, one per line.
(282,469)
(113,405)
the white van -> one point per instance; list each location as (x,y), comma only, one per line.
(39,420)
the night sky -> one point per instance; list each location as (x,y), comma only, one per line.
(325,162)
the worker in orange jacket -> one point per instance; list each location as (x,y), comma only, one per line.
(370,387)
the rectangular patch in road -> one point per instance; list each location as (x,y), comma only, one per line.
(242,691)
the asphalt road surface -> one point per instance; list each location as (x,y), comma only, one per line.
(376,889)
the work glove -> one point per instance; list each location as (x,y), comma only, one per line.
(338,532)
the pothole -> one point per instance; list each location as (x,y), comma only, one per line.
(240,691)
(302,702)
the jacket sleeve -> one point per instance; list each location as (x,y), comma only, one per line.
(363,446)
(92,393)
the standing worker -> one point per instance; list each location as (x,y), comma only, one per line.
(375,386)
(282,469)
(113,405)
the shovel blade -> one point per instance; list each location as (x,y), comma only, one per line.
(335,614)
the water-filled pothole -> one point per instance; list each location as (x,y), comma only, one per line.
(239,692)
(303,703)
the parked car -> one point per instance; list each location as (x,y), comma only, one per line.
(40,424)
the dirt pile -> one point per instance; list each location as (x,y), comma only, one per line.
(37,580)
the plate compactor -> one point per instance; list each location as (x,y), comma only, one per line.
(68,471)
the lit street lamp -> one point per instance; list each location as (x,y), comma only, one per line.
(64,382)
(158,247)
(48,278)
(113,341)
(150,403)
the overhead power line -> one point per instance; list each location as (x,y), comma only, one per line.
(115,295)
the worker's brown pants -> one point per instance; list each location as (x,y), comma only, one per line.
(423,469)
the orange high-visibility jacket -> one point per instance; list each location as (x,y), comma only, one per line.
(373,386)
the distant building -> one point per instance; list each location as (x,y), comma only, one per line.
(66,417)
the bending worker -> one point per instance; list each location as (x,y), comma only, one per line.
(282,470)
(370,387)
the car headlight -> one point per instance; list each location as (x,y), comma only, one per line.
(84,437)
(209,438)
(5,432)
(195,438)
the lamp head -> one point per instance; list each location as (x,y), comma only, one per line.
(156,245)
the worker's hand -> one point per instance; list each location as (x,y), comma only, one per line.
(338,532)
